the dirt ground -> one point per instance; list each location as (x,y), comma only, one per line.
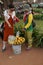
(31,57)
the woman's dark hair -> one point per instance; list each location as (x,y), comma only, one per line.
(10,6)
(32,11)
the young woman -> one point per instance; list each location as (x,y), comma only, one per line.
(28,28)
(10,19)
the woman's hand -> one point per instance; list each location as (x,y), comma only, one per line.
(10,26)
(23,29)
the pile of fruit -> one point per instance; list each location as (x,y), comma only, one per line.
(17,41)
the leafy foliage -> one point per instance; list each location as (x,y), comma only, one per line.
(38,17)
(38,10)
(37,38)
(18,27)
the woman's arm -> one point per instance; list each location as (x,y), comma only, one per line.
(15,19)
(6,20)
(30,18)
(6,16)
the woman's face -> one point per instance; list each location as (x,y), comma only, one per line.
(12,9)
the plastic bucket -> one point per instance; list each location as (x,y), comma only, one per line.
(16,49)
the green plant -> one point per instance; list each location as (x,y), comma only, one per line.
(19,15)
(19,26)
(38,17)
(37,38)
(38,10)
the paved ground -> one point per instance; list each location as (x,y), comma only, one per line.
(32,57)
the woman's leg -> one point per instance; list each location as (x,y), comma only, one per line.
(29,38)
(26,41)
(4,45)
(5,37)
